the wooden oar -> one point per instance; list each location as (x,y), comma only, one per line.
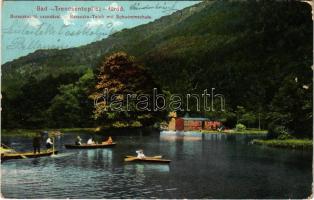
(148,159)
(23,156)
(130,159)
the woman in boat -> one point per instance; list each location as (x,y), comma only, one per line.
(49,143)
(78,140)
(90,141)
(140,154)
(109,141)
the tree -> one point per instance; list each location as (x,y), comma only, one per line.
(65,109)
(248,118)
(119,76)
(292,107)
(72,107)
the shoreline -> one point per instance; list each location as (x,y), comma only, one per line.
(34,132)
(235,132)
(300,144)
(95,130)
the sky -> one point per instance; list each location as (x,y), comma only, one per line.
(65,24)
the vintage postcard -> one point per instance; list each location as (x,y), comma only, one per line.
(157,99)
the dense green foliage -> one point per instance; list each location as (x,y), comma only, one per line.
(28,110)
(240,127)
(71,107)
(304,144)
(120,75)
(34,132)
(292,107)
(250,51)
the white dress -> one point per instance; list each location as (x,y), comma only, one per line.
(90,141)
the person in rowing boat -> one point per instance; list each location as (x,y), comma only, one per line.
(109,141)
(78,140)
(49,143)
(36,143)
(140,154)
(90,141)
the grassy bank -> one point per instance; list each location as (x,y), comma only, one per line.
(76,130)
(289,143)
(19,132)
(237,132)
(32,133)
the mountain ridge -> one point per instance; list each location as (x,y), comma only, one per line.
(85,56)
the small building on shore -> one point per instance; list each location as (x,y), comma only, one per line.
(192,123)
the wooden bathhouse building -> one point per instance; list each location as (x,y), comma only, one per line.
(192,123)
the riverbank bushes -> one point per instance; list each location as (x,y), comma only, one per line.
(238,132)
(240,127)
(33,133)
(304,144)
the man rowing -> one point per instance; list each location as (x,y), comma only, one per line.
(78,140)
(140,154)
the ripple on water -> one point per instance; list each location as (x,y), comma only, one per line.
(103,174)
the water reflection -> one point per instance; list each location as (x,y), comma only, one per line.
(178,135)
(141,168)
(173,136)
(203,166)
(35,162)
(92,158)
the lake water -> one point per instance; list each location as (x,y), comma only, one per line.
(203,166)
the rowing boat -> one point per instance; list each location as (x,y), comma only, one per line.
(89,146)
(9,156)
(153,159)
(148,157)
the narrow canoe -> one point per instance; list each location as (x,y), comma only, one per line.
(89,146)
(147,159)
(9,156)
